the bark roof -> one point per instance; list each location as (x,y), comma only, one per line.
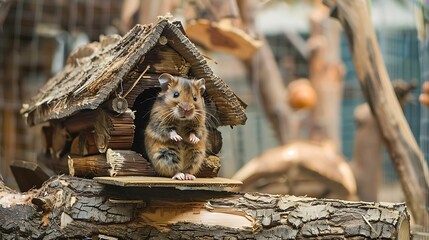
(98,70)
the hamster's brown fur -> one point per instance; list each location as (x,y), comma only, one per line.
(176,135)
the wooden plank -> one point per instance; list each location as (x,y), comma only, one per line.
(141,181)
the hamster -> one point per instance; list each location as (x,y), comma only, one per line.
(176,135)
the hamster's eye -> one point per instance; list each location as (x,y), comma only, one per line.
(195,98)
(176,94)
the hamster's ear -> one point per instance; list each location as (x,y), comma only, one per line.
(166,80)
(201,85)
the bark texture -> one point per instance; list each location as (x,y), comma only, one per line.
(67,207)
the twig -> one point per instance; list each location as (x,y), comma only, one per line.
(369,224)
(135,83)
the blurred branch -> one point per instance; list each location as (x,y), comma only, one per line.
(406,155)
(266,77)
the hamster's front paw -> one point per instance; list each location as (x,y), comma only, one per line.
(184,176)
(194,139)
(175,137)
(179,176)
(189,176)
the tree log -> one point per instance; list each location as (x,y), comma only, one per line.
(89,166)
(127,163)
(67,207)
(406,155)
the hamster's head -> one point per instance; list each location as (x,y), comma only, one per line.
(183,97)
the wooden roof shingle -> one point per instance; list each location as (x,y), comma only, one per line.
(88,81)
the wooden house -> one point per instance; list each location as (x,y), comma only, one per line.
(96,107)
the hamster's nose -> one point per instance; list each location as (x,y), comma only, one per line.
(186,107)
(187,110)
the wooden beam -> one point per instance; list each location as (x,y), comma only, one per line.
(406,155)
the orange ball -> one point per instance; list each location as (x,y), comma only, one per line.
(301,94)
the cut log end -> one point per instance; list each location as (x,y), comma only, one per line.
(117,105)
(404,228)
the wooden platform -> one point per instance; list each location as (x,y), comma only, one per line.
(141,181)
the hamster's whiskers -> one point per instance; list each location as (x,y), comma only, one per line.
(198,116)
(167,116)
(210,121)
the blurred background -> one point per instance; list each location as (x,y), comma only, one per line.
(36,37)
